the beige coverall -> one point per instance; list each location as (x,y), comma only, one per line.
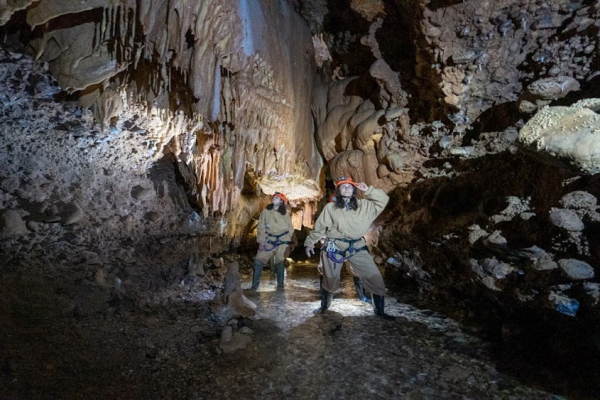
(271,224)
(335,223)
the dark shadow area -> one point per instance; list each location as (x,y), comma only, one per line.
(494,119)
(399,50)
(346,28)
(552,351)
(366,87)
(591,89)
(532,340)
(176,177)
(543,349)
(435,4)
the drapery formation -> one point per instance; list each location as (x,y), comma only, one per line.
(227,83)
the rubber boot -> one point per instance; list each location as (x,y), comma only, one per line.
(325,300)
(272,267)
(360,291)
(258,267)
(378,306)
(280,268)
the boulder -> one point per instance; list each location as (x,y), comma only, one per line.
(568,136)
(11,223)
(576,269)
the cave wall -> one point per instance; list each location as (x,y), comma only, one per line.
(139,138)
(87,212)
(230,81)
(417,81)
(480,119)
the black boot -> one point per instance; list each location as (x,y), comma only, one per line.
(360,291)
(280,270)
(258,267)
(325,300)
(378,305)
(272,267)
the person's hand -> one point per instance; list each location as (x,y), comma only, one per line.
(310,251)
(320,268)
(362,186)
(292,247)
(261,246)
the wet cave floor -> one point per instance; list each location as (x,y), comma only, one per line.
(173,351)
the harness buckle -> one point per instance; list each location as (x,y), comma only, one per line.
(339,256)
(277,242)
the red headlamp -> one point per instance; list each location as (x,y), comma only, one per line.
(343,180)
(281,196)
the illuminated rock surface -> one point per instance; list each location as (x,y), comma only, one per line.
(569,134)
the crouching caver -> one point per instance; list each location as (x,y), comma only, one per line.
(344,222)
(275,237)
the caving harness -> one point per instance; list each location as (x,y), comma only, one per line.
(339,256)
(276,242)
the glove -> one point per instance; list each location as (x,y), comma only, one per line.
(310,251)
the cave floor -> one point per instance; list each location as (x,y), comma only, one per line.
(172,351)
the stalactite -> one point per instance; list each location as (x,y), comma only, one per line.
(251,93)
(112,21)
(96,38)
(122,35)
(215,172)
(133,25)
(163,74)
(105,22)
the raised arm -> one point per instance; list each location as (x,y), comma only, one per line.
(377,200)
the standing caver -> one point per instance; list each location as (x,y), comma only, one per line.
(274,234)
(344,222)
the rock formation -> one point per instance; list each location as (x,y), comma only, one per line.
(138,142)
(567,133)
(228,91)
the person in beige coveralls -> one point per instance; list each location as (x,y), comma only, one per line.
(275,233)
(344,222)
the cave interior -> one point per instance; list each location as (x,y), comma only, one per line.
(140,141)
